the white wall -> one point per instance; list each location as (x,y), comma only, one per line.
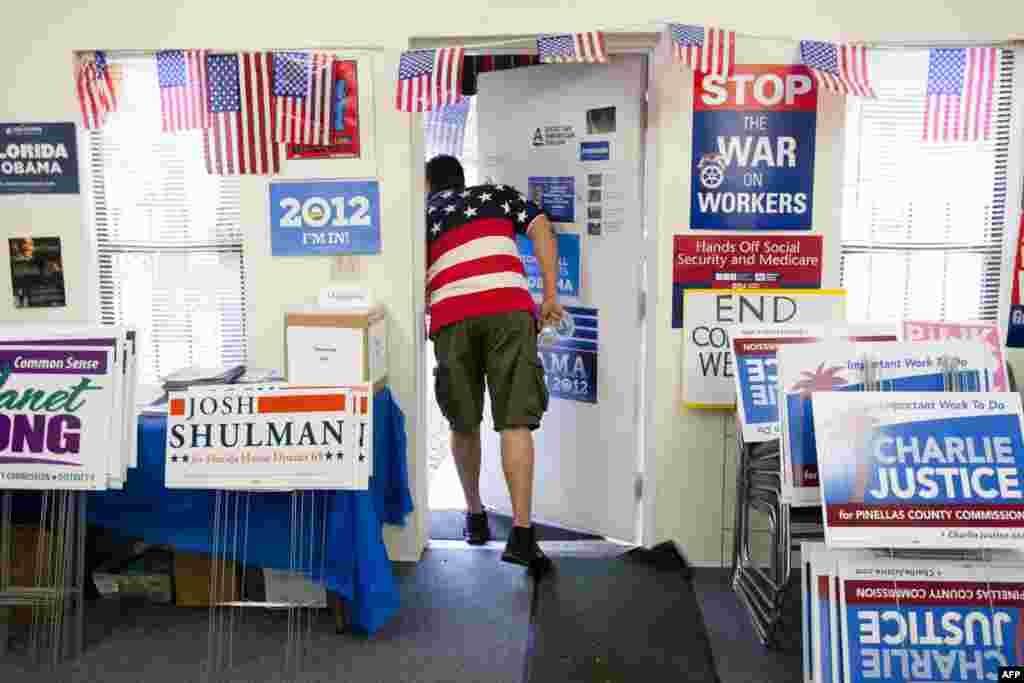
(36,80)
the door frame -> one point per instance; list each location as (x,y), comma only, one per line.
(643,43)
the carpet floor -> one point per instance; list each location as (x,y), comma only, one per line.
(446,525)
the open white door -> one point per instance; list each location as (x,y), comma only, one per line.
(584,123)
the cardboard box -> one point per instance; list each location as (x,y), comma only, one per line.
(336,346)
(194,575)
(292,588)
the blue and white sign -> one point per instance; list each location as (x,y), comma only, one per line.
(568,265)
(753,149)
(595,151)
(38,158)
(570,363)
(323,217)
(556,195)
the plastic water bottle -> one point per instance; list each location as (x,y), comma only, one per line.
(563,330)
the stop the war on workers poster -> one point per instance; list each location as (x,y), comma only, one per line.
(920,469)
(753,149)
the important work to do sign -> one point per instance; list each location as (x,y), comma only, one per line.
(753,149)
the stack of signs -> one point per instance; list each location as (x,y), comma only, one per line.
(754,352)
(987,333)
(911,469)
(872,618)
(270,437)
(67,407)
(807,369)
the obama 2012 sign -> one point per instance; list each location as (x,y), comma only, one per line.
(753,149)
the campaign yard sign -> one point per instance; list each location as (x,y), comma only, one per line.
(323,217)
(912,469)
(274,437)
(570,362)
(708,361)
(38,158)
(930,620)
(568,265)
(753,149)
(987,333)
(839,366)
(747,262)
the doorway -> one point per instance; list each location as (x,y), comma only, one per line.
(572,138)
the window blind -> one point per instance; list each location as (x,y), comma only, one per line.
(923,223)
(168,236)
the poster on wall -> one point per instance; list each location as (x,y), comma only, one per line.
(707,358)
(748,262)
(38,158)
(753,149)
(987,333)
(568,265)
(37,272)
(570,361)
(1015,331)
(557,196)
(345,133)
(323,217)
(277,437)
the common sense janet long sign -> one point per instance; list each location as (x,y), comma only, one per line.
(270,437)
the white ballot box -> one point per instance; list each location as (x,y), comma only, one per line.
(336,346)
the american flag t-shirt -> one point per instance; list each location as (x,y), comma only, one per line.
(181,75)
(302,97)
(95,89)
(959,96)
(840,69)
(704,48)
(429,78)
(572,47)
(240,139)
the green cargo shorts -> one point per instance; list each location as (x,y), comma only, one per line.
(501,349)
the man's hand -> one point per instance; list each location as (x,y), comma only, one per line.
(551,312)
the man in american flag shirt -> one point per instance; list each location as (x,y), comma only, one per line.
(484,326)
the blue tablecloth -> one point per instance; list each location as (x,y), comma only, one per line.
(355,559)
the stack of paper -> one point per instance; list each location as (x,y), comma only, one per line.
(197,376)
(68,399)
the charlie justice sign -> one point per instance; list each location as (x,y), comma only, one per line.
(753,149)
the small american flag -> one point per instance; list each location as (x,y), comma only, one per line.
(446,129)
(302,97)
(960,84)
(94,86)
(240,139)
(429,78)
(181,75)
(572,47)
(706,49)
(841,69)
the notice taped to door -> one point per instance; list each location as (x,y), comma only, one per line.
(570,363)
(753,149)
(709,313)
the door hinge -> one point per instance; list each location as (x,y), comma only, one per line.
(638,486)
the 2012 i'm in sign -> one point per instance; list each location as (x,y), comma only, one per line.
(753,149)
(323,217)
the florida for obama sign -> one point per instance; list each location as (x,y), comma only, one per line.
(753,149)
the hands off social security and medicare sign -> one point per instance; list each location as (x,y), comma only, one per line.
(325,217)
(753,149)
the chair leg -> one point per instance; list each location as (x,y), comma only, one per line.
(340,613)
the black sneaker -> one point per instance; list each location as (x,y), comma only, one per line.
(522,549)
(476,531)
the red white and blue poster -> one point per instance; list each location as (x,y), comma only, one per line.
(344,118)
(921,470)
(987,333)
(1015,331)
(919,620)
(753,149)
(747,262)
(808,369)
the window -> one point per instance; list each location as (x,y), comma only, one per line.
(168,236)
(453,130)
(922,224)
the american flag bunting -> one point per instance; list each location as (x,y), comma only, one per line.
(241,136)
(959,94)
(840,69)
(181,76)
(704,48)
(95,88)
(572,47)
(428,79)
(302,97)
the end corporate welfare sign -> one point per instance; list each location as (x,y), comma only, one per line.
(753,149)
